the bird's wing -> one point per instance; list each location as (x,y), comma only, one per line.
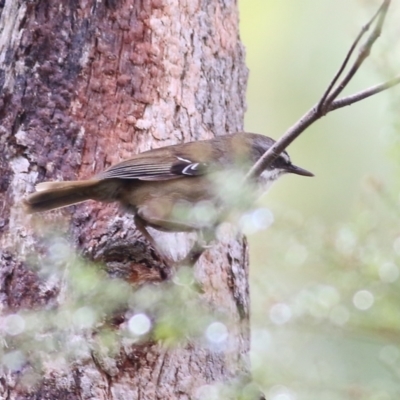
(153,168)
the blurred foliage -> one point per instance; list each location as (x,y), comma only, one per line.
(82,321)
(326,315)
(324,275)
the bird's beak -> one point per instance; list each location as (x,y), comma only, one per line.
(293,169)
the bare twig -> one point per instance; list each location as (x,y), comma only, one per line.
(364,29)
(354,98)
(362,55)
(329,101)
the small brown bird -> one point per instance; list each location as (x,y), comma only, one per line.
(155,184)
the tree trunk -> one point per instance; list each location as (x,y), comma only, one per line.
(85,84)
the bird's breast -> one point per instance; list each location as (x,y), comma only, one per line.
(169,205)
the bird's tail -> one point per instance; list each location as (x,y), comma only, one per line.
(51,195)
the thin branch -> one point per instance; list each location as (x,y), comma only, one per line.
(290,135)
(364,29)
(362,55)
(328,100)
(354,98)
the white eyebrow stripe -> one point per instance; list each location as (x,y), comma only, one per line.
(184,159)
(285,156)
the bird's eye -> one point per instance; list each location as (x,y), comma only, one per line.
(280,162)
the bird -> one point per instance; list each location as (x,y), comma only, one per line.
(161,187)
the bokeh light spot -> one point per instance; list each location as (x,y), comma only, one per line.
(280,313)
(14,360)
(207,392)
(139,324)
(280,392)
(256,220)
(388,272)
(84,317)
(14,324)
(363,300)
(216,332)
(345,241)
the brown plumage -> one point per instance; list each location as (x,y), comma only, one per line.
(152,183)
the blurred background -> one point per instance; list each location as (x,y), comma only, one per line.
(325,251)
(324,275)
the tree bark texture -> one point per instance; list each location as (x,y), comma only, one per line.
(83,85)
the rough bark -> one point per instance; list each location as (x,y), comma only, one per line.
(85,84)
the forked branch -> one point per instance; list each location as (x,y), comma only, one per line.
(329,100)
